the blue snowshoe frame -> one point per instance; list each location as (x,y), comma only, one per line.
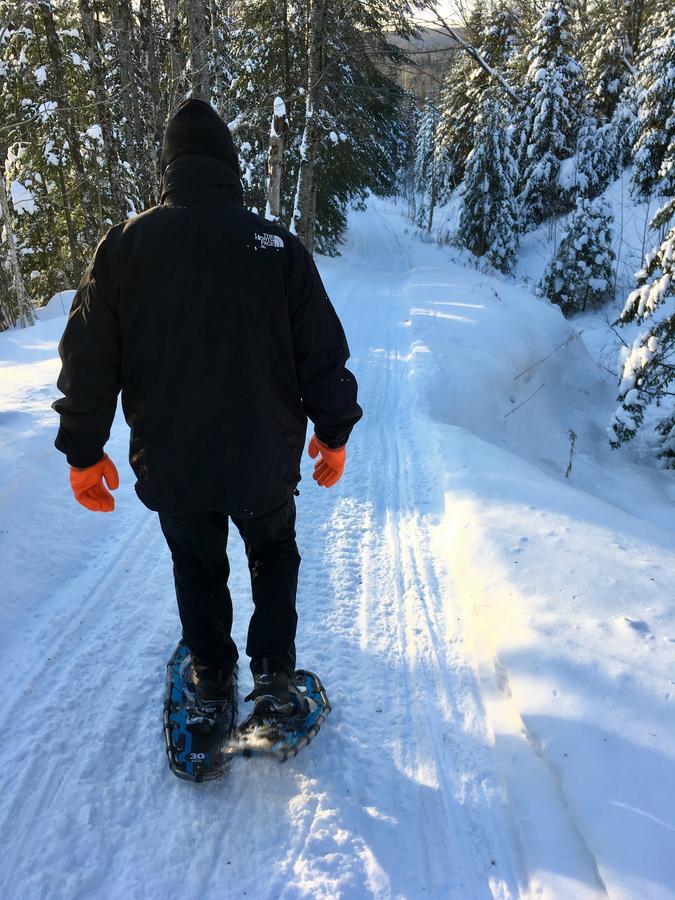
(194,754)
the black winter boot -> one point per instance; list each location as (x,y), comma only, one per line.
(274,694)
(209,692)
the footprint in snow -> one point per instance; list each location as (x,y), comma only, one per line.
(637,626)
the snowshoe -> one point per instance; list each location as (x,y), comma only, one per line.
(197,722)
(281,732)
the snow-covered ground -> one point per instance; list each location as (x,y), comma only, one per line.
(497,638)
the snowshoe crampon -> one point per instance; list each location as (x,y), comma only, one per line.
(279,736)
(195,736)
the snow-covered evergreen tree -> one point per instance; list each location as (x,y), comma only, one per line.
(426,159)
(488,224)
(580,274)
(497,35)
(53,167)
(410,120)
(554,114)
(654,151)
(648,370)
(624,124)
(596,161)
(456,117)
(265,62)
(363,134)
(607,58)
(648,367)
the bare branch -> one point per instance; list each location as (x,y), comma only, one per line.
(520,405)
(478,58)
(568,340)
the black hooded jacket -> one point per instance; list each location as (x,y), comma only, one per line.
(215,326)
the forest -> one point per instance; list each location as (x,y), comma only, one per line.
(541,107)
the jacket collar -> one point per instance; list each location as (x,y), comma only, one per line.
(196,180)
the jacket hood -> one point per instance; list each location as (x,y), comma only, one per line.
(196,180)
(196,129)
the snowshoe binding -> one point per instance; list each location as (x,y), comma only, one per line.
(275,694)
(206,698)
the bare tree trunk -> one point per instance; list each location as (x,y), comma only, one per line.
(64,112)
(275,159)
(24,306)
(75,260)
(91,39)
(152,103)
(432,204)
(199,56)
(304,211)
(123,23)
(177,61)
(217,51)
(287,52)
(7,315)
(287,85)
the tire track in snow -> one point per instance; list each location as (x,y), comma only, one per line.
(452,687)
(377,533)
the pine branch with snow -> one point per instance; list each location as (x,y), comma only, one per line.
(596,161)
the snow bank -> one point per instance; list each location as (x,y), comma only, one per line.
(57,307)
(567,581)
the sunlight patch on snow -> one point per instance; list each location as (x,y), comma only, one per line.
(459,305)
(437,314)
(375,813)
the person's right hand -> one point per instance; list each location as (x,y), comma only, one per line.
(88,487)
(330,465)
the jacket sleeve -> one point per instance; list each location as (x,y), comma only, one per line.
(90,377)
(328,389)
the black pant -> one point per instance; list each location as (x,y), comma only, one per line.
(198,544)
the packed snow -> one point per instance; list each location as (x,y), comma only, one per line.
(487,595)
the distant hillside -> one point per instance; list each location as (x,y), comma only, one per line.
(430,55)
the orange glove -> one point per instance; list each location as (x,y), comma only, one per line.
(88,487)
(330,466)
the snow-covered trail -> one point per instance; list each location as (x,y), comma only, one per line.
(405,792)
(399,794)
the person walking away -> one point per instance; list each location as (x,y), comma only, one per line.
(216,328)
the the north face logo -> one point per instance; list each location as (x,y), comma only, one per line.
(269,241)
